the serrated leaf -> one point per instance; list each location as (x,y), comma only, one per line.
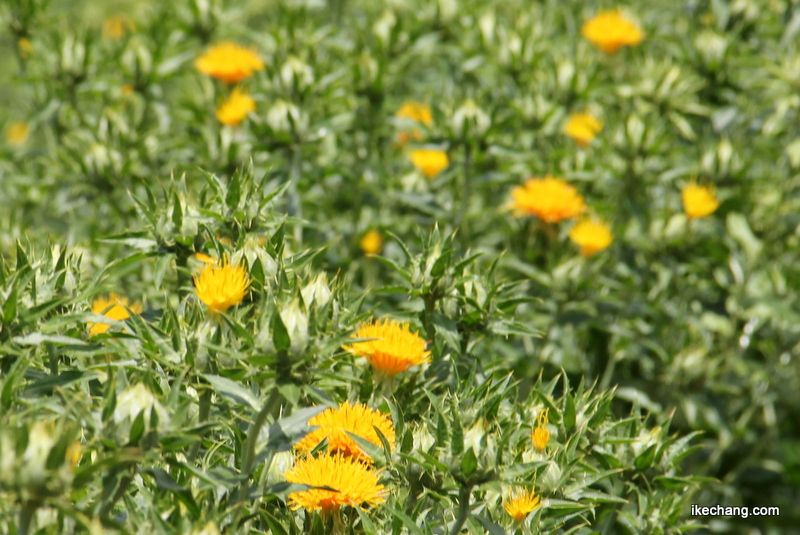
(232,390)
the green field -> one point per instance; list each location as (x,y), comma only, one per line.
(399,267)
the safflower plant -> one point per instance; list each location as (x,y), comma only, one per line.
(376,268)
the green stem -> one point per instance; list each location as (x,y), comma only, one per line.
(270,408)
(463,510)
(295,208)
(464,189)
(26,515)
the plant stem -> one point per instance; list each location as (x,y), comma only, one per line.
(463,509)
(26,515)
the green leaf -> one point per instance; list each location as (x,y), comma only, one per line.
(469,463)
(232,390)
(234,191)
(280,336)
(10,307)
(568,416)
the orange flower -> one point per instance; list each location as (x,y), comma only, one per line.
(394,350)
(591,236)
(549,198)
(610,30)
(235,108)
(229,62)
(353,483)
(429,162)
(334,424)
(372,242)
(540,434)
(522,504)
(582,128)
(114,307)
(699,201)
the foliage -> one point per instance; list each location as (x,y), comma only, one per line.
(666,362)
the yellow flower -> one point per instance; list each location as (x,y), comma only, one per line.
(127,90)
(357,419)
(205,259)
(610,30)
(372,242)
(699,201)
(17,134)
(540,434)
(415,111)
(221,287)
(591,236)
(117,311)
(73,455)
(582,128)
(235,108)
(429,162)
(114,27)
(229,62)
(522,504)
(25,47)
(549,198)
(395,350)
(354,484)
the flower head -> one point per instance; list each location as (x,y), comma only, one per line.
(699,201)
(522,504)
(229,62)
(582,128)
(413,111)
(334,424)
(114,27)
(17,134)
(235,108)
(222,286)
(540,434)
(394,350)
(372,242)
(610,30)
(25,47)
(354,483)
(114,307)
(429,162)
(550,199)
(592,236)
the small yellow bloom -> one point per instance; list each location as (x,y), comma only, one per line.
(699,201)
(610,30)
(118,311)
(415,111)
(204,258)
(114,27)
(229,62)
(582,128)
(540,434)
(354,484)
(25,47)
(549,198)
(235,108)
(17,134)
(394,350)
(73,455)
(429,162)
(522,504)
(372,242)
(222,286)
(127,90)
(334,424)
(592,236)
